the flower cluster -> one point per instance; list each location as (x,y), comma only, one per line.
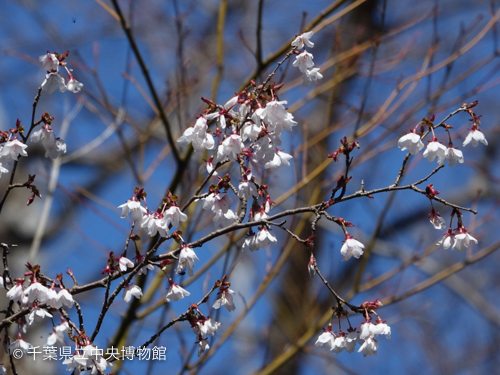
(51,62)
(458,239)
(366,338)
(202,327)
(303,60)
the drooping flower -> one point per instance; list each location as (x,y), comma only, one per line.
(187,256)
(124,263)
(175,292)
(130,291)
(38,313)
(436,220)
(174,215)
(435,149)
(49,62)
(265,238)
(326,338)
(53,80)
(26,347)
(53,146)
(475,135)
(198,136)
(453,156)
(448,240)
(412,142)
(351,248)
(303,61)
(13,149)
(73,85)
(64,298)
(369,347)
(36,290)
(303,39)
(225,299)
(462,239)
(311,76)
(133,206)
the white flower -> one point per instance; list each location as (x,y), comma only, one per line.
(303,39)
(75,363)
(64,298)
(231,146)
(135,208)
(144,270)
(49,62)
(225,299)
(434,149)
(186,260)
(250,243)
(412,142)
(351,339)
(265,238)
(175,292)
(125,263)
(131,290)
(447,241)
(155,223)
(3,170)
(381,328)
(327,337)
(369,347)
(351,248)
(53,146)
(26,347)
(280,158)
(311,76)
(36,290)
(99,366)
(53,80)
(73,85)
(207,327)
(13,149)
(37,312)
(453,156)
(437,220)
(475,135)
(57,334)
(16,292)
(303,61)
(339,344)
(462,241)
(198,136)
(250,131)
(174,215)
(246,189)
(202,346)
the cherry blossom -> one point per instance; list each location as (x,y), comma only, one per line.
(369,347)
(53,80)
(174,215)
(448,240)
(49,62)
(231,147)
(73,85)
(38,313)
(175,292)
(36,290)
(130,291)
(326,338)
(462,239)
(16,292)
(53,146)
(280,158)
(453,156)
(225,299)
(310,77)
(57,335)
(64,298)
(124,263)
(186,260)
(26,347)
(436,220)
(155,223)
(412,142)
(475,135)
(13,149)
(265,238)
(303,39)
(351,248)
(303,61)
(434,149)
(133,206)
(203,346)
(198,136)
